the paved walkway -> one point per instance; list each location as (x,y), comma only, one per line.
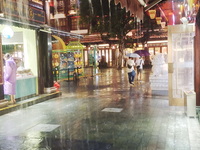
(101,113)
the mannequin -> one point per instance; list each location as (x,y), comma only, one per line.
(10,77)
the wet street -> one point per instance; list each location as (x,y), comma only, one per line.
(101,113)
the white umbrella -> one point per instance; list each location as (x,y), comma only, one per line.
(133,55)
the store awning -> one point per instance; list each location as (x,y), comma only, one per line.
(73,45)
(43,28)
(60,44)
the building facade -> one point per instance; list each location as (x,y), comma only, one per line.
(30,45)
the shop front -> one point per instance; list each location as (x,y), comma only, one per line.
(67,61)
(22,46)
(24,37)
(102,55)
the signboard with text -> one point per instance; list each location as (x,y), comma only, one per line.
(22,11)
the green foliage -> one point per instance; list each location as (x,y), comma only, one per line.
(106,17)
(85,11)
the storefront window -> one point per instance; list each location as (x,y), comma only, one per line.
(157,50)
(164,50)
(107,56)
(22,47)
(110,53)
(86,58)
(151,51)
(16,50)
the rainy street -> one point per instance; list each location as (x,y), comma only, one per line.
(67,70)
(101,113)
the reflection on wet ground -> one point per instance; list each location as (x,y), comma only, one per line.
(101,113)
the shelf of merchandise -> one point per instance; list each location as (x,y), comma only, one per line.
(68,63)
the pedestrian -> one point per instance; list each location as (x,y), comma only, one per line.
(139,63)
(131,71)
(10,77)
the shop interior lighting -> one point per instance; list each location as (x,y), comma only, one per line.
(1,14)
(164,41)
(102,45)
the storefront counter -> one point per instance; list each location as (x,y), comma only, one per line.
(26,86)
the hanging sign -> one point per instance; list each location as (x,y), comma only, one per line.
(20,11)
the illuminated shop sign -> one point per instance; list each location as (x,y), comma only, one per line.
(23,11)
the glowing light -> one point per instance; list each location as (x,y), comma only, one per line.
(164,41)
(163,24)
(184,20)
(152,14)
(158,20)
(7,32)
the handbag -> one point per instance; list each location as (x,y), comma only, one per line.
(138,67)
(129,66)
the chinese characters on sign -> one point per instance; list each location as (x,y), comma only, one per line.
(22,11)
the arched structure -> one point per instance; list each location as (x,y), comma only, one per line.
(59,44)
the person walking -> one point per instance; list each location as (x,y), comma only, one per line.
(139,63)
(10,77)
(131,71)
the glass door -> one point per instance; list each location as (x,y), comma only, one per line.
(181,62)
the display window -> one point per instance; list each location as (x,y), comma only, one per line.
(85,58)
(16,50)
(22,47)
(164,50)
(157,50)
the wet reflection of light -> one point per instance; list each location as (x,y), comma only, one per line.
(34,138)
(34,134)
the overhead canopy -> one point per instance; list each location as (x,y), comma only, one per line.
(74,45)
(60,44)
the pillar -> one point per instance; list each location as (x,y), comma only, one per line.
(196,59)
(1,71)
(45,72)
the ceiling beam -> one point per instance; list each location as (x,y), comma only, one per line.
(149,6)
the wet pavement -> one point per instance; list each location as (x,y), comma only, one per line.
(101,113)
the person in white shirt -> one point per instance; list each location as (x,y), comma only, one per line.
(131,71)
(139,63)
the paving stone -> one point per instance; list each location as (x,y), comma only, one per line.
(133,119)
